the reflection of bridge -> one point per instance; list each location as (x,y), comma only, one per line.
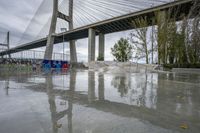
(163,116)
(100,28)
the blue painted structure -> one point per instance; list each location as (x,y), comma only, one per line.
(55,64)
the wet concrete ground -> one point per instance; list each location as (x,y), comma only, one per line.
(91,102)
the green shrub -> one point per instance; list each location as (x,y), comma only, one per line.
(170,66)
(100,58)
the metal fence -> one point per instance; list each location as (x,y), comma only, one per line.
(35,54)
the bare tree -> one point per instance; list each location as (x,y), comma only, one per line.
(153,38)
(139,38)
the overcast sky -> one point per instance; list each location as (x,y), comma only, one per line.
(19,16)
(15,16)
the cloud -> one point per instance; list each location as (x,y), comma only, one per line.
(15,16)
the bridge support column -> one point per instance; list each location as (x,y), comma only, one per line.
(51,37)
(73,56)
(101,46)
(91,45)
(72,44)
(8,43)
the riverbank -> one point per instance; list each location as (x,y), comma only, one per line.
(16,67)
(131,67)
(107,67)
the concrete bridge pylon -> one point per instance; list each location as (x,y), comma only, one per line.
(51,36)
(7,43)
(91,45)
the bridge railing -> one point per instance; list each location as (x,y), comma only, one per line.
(35,54)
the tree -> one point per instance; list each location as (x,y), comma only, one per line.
(153,39)
(193,33)
(171,41)
(194,46)
(139,38)
(122,50)
(100,58)
(162,21)
(180,44)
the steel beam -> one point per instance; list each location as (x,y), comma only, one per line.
(3,44)
(63,16)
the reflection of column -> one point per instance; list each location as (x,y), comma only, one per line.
(70,128)
(56,116)
(51,100)
(91,86)
(144,91)
(72,87)
(7,87)
(101,87)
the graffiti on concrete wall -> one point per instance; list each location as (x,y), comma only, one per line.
(55,65)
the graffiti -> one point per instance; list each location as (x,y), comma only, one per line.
(49,65)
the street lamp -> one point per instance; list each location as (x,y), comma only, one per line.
(63,30)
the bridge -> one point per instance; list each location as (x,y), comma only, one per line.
(101,28)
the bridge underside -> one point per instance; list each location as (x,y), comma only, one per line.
(117,24)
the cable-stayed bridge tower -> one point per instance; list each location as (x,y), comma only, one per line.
(51,37)
(7,44)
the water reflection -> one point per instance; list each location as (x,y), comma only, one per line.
(69,96)
(101,87)
(7,86)
(91,86)
(144,92)
(164,100)
(148,93)
(139,89)
(56,116)
(122,84)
